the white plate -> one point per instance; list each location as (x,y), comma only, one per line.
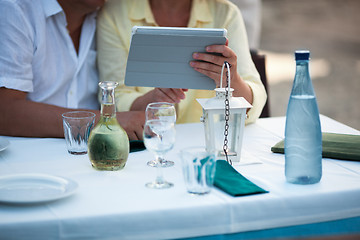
(34,188)
(4,143)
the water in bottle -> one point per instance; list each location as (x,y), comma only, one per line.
(303,139)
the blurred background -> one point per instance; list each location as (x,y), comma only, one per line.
(330,30)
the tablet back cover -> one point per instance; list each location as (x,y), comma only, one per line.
(160,57)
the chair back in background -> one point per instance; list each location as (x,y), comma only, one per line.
(259,61)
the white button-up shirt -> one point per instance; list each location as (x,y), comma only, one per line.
(37,54)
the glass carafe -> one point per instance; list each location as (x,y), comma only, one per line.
(108,146)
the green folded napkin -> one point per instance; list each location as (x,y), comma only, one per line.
(230,181)
(334,145)
(136,145)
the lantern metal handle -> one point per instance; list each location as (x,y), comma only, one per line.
(227,109)
(228,73)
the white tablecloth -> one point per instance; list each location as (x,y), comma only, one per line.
(117,205)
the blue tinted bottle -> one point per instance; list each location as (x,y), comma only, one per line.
(303,139)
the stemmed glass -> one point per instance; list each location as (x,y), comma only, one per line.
(159,138)
(164,112)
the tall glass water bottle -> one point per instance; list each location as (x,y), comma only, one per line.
(303,139)
(108,145)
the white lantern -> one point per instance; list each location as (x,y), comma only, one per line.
(224,120)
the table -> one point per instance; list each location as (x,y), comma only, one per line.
(117,205)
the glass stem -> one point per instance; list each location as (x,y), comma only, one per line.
(159,175)
(160,161)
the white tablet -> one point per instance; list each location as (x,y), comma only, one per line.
(160,56)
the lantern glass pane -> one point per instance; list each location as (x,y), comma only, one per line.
(208,135)
(233,133)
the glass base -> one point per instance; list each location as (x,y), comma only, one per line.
(77,153)
(164,163)
(108,168)
(199,193)
(303,180)
(159,185)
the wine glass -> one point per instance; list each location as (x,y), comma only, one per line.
(165,112)
(159,138)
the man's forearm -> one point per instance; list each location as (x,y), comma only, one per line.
(25,118)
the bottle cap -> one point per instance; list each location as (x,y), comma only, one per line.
(302,55)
